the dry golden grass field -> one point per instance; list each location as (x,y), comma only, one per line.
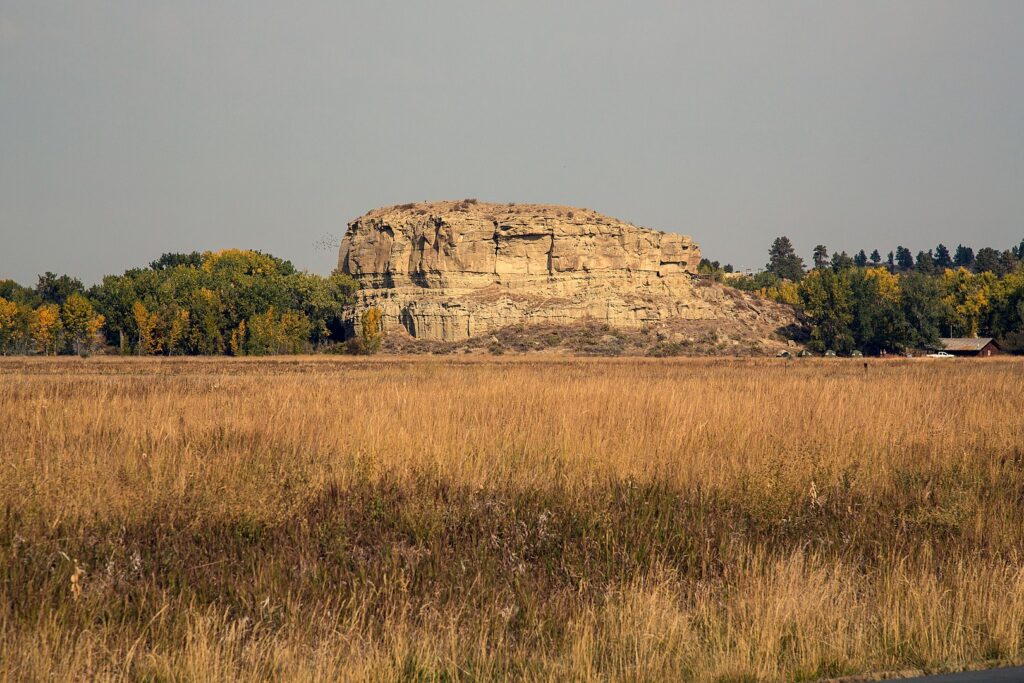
(523,518)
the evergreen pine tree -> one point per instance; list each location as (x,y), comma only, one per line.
(783,261)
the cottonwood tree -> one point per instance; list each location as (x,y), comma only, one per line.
(45,329)
(55,289)
(966,299)
(371,332)
(10,325)
(81,323)
(202,300)
(878,323)
(147,342)
(920,300)
(826,297)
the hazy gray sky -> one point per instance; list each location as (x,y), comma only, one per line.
(128,129)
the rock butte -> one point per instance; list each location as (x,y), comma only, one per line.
(451,270)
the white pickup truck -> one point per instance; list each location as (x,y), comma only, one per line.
(941,354)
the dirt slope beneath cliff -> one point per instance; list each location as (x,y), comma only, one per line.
(749,326)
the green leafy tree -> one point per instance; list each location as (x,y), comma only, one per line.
(113,299)
(860,259)
(876,258)
(294,332)
(827,303)
(878,323)
(711,269)
(205,336)
(174,326)
(942,258)
(323,301)
(55,289)
(201,300)
(920,297)
(172,260)
(249,283)
(1006,310)
(12,291)
(756,282)
(925,263)
(263,334)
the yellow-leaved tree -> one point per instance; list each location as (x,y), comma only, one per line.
(95,331)
(371,333)
(145,324)
(263,334)
(9,325)
(81,323)
(294,332)
(177,328)
(966,299)
(886,283)
(785,292)
(237,341)
(273,333)
(45,329)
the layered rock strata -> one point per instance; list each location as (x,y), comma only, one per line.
(457,269)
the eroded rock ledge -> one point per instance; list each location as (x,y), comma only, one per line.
(452,270)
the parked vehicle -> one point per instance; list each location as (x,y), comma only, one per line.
(940,354)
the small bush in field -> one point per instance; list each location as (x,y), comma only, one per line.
(371,330)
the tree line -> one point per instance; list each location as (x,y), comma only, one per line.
(242,302)
(873,305)
(234,301)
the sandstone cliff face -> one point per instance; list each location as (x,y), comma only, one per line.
(454,270)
